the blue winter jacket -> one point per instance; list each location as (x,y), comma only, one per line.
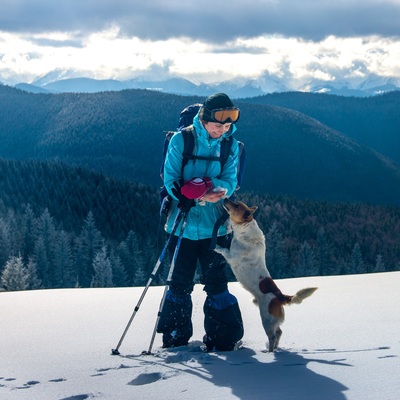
(201,218)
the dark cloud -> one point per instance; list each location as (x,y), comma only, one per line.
(57,43)
(208,20)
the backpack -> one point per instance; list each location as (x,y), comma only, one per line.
(186,128)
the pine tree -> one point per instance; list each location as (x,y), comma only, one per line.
(275,252)
(102,269)
(5,242)
(17,238)
(90,242)
(342,266)
(33,281)
(44,249)
(63,262)
(119,275)
(140,278)
(379,265)
(28,228)
(150,254)
(323,254)
(307,260)
(357,263)
(131,257)
(15,276)
(42,263)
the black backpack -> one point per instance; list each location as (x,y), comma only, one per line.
(186,128)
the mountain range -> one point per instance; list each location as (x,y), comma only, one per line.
(120,133)
(71,161)
(372,121)
(58,81)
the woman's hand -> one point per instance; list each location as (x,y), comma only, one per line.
(214,195)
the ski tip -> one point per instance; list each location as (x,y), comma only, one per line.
(115,352)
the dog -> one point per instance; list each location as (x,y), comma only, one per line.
(246,257)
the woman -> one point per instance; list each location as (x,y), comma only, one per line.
(206,184)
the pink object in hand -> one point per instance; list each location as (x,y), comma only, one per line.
(196,187)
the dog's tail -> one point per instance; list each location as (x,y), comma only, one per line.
(275,306)
(302,294)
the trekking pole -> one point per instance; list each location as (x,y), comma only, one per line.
(171,270)
(152,275)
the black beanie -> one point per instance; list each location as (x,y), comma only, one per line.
(214,102)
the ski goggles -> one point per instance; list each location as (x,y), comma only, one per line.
(224,115)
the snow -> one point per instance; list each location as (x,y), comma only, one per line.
(341,343)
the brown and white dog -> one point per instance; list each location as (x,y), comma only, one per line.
(247,260)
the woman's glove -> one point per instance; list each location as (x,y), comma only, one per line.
(196,188)
(184,204)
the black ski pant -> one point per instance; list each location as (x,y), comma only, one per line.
(223,322)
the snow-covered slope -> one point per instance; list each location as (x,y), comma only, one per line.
(341,343)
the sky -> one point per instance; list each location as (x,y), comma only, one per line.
(342,343)
(203,41)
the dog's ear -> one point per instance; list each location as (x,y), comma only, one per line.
(248,215)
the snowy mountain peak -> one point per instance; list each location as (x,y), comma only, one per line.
(238,87)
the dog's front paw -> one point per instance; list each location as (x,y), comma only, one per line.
(218,249)
(221,250)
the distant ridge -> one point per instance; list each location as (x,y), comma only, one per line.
(372,121)
(120,133)
(31,88)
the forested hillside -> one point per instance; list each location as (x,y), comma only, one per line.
(121,133)
(59,217)
(62,226)
(373,121)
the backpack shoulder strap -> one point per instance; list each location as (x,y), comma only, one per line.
(167,139)
(242,163)
(188,145)
(226,146)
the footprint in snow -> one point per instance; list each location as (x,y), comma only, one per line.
(145,379)
(28,385)
(102,371)
(57,380)
(77,397)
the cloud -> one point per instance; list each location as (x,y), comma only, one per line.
(108,54)
(206,20)
(45,42)
(202,41)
